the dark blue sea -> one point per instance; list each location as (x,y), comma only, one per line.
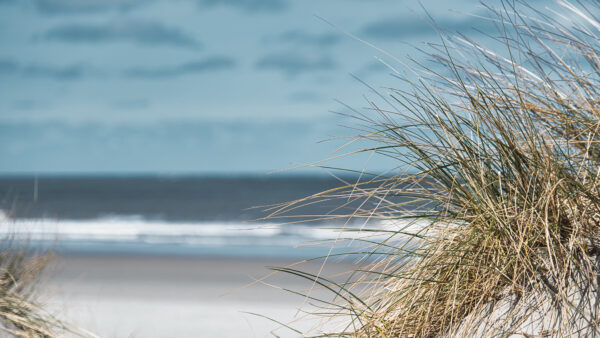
(160,215)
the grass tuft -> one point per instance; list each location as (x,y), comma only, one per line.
(20,315)
(492,222)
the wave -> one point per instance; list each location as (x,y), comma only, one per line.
(139,230)
(114,232)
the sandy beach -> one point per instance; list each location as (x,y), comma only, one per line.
(129,296)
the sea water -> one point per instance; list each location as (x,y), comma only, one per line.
(211,216)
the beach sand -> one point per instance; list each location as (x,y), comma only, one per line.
(129,296)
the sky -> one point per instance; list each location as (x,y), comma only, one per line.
(197,86)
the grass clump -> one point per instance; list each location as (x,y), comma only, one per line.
(493,222)
(20,315)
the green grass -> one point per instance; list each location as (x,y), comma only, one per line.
(498,153)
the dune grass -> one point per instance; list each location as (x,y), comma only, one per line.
(493,215)
(20,315)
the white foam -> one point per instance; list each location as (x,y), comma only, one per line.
(139,230)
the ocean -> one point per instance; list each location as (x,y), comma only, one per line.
(160,215)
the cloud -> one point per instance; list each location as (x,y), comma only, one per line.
(71,72)
(373,68)
(130,104)
(59,73)
(84,6)
(194,67)
(376,66)
(26,104)
(301,37)
(295,63)
(142,32)
(8,67)
(402,27)
(182,146)
(248,5)
(306,96)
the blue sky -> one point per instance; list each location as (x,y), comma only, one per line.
(195,86)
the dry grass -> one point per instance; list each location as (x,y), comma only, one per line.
(20,315)
(499,156)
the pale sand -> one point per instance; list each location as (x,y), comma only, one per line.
(125,296)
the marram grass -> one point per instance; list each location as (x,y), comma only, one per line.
(21,314)
(495,212)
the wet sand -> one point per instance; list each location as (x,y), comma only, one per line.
(127,296)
